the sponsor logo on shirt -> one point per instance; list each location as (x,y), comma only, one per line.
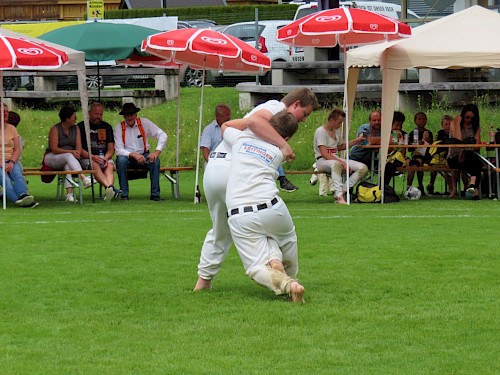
(256,151)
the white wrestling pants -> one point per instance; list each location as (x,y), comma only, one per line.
(218,239)
(357,169)
(261,236)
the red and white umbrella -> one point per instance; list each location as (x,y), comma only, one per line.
(342,26)
(206,49)
(22,54)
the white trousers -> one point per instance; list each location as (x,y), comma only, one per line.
(335,168)
(262,236)
(66,162)
(218,239)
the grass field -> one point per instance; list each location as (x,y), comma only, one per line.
(105,288)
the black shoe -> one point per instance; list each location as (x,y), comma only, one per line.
(430,189)
(124,198)
(156,199)
(31,205)
(287,186)
(476,198)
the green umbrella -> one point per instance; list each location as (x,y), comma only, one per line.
(101,41)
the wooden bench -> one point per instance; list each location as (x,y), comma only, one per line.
(171,174)
(62,176)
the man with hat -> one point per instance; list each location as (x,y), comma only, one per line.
(132,149)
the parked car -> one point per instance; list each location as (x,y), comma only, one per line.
(264,39)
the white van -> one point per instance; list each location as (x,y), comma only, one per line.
(386,9)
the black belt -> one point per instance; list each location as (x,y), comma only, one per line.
(254,208)
(218,155)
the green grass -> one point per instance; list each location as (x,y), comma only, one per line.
(105,288)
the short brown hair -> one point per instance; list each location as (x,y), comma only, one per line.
(285,123)
(304,95)
(335,114)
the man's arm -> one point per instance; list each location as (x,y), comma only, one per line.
(119,146)
(259,124)
(206,153)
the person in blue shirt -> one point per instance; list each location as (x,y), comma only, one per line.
(211,136)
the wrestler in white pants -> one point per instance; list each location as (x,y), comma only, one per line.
(335,169)
(218,239)
(261,236)
(66,162)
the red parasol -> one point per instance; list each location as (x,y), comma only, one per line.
(19,53)
(207,49)
(344,27)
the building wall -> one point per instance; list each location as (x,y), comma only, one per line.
(67,10)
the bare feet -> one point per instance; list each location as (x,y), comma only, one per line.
(202,284)
(341,200)
(453,194)
(277,265)
(297,292)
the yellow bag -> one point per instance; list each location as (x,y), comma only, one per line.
(438,155)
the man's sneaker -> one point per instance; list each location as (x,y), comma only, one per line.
(87,182)
(24,200)
(118,194)
(70,198)
(110,193)
(32,205)
(287,186)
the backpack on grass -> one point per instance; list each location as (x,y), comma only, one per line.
(367,192)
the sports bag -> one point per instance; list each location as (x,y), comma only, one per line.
(367,192)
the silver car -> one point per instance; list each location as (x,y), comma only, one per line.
(263,37)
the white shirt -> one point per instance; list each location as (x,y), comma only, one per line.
(133,138)
(273,106)
(254,169)
(322,138)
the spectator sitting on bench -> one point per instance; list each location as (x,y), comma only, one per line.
(371,133)
(439,157)
(102,145)
(65,148)
(15,186)
(132,149)
(420,155)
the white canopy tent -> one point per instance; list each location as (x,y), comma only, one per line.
(467,39)
(75,64)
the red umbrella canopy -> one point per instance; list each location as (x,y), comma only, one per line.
(207,49)
(344,27)
(24,54)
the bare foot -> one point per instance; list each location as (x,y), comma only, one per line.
(341,200)
(277,265)
(453,194)
(297,292)
(202,284)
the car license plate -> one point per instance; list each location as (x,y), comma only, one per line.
(140,76)
(298,58)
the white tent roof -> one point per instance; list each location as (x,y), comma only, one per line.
(469,38)
(466,39)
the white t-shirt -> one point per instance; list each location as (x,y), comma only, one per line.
(322,138)
(254,169)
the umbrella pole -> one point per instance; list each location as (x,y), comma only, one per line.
(177,131)
(4,195)
(98,83)
(346,138)
(197,196)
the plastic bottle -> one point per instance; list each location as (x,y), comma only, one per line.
(101,155)
(415,136)
(492,134)
(395,137)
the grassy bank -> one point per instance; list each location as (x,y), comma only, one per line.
(35,124)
